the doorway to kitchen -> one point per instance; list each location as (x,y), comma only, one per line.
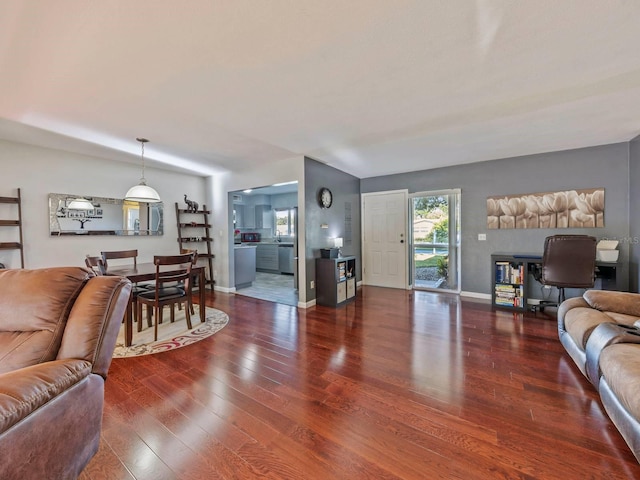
(435,240)
(265,228)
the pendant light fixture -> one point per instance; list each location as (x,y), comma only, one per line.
(80,203)
(142,192)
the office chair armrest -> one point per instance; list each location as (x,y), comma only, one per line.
(610,301)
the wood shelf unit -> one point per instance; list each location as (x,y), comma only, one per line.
(335,280)
(194,230)
(19,245)
(509,282)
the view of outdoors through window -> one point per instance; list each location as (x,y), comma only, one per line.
(431,241)
(285,222)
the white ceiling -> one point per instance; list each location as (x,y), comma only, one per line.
(371,87)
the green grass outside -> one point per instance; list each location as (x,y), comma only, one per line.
(429,262)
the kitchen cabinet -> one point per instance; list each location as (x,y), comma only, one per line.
(267,259)
(263,215)
(238,216)
(244,216)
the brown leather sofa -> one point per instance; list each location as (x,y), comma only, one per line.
(601,333)
(58,328)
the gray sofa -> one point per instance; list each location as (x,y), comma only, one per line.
(601,333)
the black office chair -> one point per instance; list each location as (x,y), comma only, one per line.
(568,261)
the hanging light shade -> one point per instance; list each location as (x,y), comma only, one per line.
(142,192)
(80,204)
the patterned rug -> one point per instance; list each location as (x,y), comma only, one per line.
(171,335)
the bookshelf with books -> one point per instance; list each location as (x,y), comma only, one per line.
(509,279)
(335,280)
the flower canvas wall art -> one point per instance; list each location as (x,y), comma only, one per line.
(568,209)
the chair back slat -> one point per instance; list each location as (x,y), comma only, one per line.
(96,265)
(119,254)
(166,274)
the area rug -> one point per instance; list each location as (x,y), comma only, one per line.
(171,335)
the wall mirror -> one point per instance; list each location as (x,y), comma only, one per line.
(103,216)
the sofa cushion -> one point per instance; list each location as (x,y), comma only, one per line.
(580,322)
(620,367)
(611,301)
(34,307)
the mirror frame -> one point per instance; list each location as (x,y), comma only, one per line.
(111,212)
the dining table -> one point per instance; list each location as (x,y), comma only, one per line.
(144,272)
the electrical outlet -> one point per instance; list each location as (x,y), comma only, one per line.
(313,284)
(482,237)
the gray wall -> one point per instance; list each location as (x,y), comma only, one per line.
(634,216)
(603,166)
(346,191)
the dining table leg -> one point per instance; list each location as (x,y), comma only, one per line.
(202,297)
(128,323)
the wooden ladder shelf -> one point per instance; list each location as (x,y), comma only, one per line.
(19,245)
(194,230)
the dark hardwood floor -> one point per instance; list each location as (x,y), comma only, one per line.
(397,384)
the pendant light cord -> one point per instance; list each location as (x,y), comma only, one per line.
(142,142)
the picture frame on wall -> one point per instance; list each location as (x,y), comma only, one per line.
(564,209)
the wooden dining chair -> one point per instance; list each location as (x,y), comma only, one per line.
(194,252)
(137,287)
(95,264)
(123,254)
(119,254)
(173,286)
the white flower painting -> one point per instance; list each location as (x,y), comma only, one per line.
(568,209)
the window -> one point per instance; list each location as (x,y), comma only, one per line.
(286,222)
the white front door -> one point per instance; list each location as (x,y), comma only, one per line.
(384,246)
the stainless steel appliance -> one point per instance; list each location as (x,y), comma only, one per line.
(285,259)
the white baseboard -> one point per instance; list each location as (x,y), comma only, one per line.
(308,304)
(483,296)
(217,288)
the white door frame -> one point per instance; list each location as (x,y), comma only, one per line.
(405,228)
(456,235)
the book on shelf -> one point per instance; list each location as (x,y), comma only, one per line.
(506,272)
(342,271)
(509,295)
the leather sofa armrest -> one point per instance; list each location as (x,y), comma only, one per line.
(575,302)
(610,301)
(94,322)
(25,390)
(602,336)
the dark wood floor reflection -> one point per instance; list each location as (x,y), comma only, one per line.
(397,384)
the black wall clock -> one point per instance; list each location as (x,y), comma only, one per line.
(325,197)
